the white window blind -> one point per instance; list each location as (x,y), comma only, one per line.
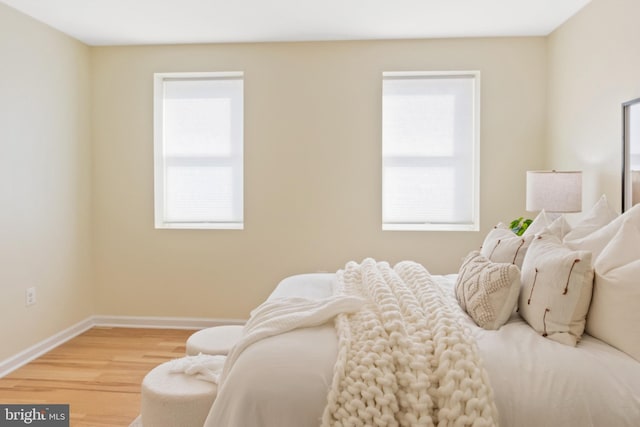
(430,151)
(198,143)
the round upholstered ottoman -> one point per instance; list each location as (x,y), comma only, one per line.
(171,399)
(216,340)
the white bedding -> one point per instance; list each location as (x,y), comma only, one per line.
(283,380)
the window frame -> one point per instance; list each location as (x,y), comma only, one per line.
(474,225)
(236,160)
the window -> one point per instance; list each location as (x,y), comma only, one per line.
(430,150)
(198,145)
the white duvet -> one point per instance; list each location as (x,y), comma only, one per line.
(282,381)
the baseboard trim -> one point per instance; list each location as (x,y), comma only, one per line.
(14,362)
(11,364)
(162,322)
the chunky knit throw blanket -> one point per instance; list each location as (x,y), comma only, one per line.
(404,358)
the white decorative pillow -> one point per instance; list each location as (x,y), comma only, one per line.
(559,227)
(487,291)
(598,239)
(556,289)
(614,315)
(503,245)
(544,222)
(600,215)
(539,223)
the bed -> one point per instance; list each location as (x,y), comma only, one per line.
(546,364)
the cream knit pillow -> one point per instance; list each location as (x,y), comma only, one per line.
(556,289)
(487,291)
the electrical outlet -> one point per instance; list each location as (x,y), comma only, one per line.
(31,296)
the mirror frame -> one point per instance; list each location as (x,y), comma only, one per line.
(626,153)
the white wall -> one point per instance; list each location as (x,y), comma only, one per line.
(594,66)
(312,166)
(76,176)
(45,181)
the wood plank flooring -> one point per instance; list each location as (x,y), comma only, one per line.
(98,373)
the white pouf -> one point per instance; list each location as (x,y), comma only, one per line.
(216,340)
(175,399)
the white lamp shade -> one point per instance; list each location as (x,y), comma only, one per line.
(554,191)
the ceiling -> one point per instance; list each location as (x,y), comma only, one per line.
(126,22)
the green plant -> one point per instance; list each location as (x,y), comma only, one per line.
(519,225)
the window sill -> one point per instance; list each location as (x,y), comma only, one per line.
(200,226)
(430,227)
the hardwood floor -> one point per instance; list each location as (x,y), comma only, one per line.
(98,373)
